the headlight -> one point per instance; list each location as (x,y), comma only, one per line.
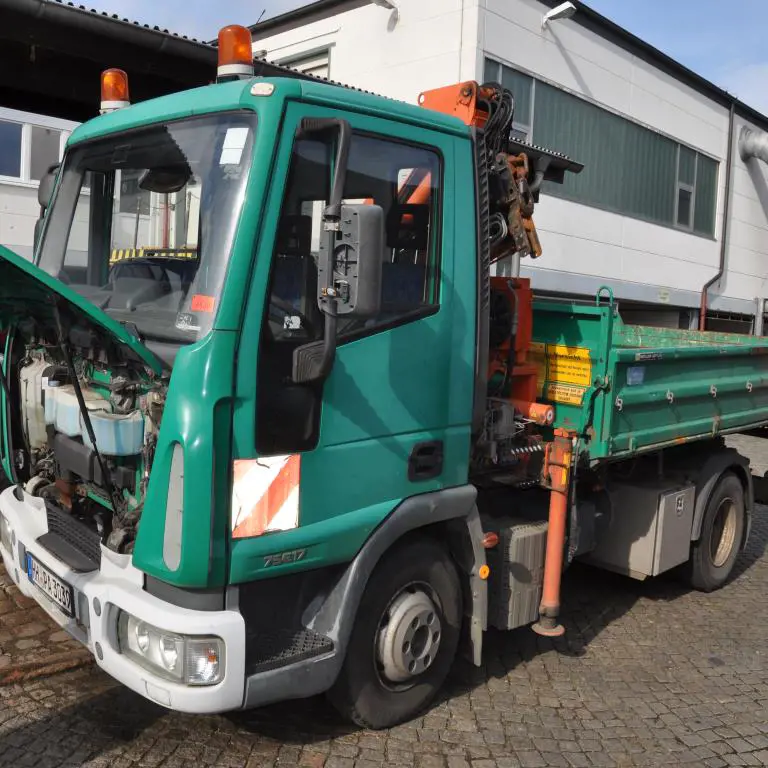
(5,535)
(190,660)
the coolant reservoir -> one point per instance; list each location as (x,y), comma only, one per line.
(63,411)
(116,434)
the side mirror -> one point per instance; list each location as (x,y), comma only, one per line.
(44,194)
(45,190)
(354,263)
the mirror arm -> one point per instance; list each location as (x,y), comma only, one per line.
(332,213)
(313,362)
(329,341)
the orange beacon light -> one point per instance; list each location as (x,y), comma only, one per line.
(235,52)
(114,90)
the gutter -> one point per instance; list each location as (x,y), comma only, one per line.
(726,223)
(113,27)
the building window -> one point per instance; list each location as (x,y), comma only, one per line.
(45,150)
(10,149)
(522,87)
(317,64)
(628,169)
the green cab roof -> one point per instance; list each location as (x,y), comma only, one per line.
(222,97)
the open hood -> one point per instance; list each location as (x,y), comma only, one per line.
(31,298)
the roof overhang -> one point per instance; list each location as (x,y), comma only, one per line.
(52,54)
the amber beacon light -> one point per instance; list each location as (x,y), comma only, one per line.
(114,90)
(235,52)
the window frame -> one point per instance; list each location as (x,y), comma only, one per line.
(28,121)
(682,186)
(23,150)
(691,188)
(433,307)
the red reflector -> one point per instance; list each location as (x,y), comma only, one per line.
(490,540)
(202,303)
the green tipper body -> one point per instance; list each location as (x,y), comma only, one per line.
(628,389)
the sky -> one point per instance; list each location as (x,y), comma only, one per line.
(723,41)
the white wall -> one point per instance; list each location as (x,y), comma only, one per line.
(19,208)
(18,212)
(643,260)
(747,254)
(434,43)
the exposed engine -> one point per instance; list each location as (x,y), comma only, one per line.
(103,485)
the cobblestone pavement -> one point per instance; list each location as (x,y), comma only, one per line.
(30,644)
(648,674)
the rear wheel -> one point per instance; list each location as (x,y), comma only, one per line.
(404,639)
(714,555)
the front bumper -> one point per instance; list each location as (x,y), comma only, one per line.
(117,585)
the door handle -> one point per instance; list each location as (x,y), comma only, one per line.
(425,461)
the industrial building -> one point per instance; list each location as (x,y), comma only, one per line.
(649,215)
(666,211)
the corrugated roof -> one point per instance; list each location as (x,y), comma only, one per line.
(130,22)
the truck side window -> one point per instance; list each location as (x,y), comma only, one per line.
(405,181)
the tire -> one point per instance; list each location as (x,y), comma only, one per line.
(363,693)
(714,555)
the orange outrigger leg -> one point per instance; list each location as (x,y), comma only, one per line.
(558,469)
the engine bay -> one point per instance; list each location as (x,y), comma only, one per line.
(89,428)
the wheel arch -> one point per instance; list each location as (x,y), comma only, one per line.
(451,517)
(717,465)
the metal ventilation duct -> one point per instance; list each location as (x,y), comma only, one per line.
(753,144)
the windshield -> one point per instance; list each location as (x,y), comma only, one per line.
(142,222)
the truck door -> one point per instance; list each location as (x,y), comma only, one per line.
(393,418)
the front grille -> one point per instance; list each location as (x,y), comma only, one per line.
(71,541)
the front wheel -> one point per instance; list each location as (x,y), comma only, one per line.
(404,639)
(714,555)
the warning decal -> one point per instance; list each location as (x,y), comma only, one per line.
(565,393)
(565,373)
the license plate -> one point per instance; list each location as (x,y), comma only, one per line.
(51,586)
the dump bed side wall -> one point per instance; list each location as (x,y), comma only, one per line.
(628,389)
(677,394)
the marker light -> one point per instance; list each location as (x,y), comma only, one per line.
(235,52)
(114,90)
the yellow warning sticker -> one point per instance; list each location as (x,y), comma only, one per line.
(565,372)
(565,393)
(569,365)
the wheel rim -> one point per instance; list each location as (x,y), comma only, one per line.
(723,532)
(409,636)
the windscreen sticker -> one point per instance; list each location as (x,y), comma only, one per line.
(202,303)
(186,321)
(234,144)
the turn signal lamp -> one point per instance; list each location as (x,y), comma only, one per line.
(235,53)
(114,90)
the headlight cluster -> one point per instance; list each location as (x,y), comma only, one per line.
(5,535)
(187,660)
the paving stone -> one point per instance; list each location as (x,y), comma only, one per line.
(648,675)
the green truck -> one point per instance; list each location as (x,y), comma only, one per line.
(261,403)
